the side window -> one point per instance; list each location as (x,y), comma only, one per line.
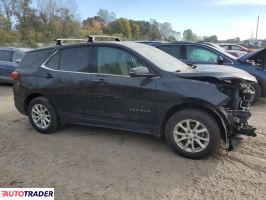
(53,62)
(115,61)
(74,59)
(5,55)
(172,50)
(226,47)
(17,56)
(195,53)
(236,48)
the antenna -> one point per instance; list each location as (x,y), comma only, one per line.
(258,21)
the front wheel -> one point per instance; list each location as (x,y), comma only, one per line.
(193,133)
(43,116)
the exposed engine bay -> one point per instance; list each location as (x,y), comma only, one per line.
(241,95)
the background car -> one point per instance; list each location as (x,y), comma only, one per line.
(9,59)
(235,47)
(199,53)
(236,53)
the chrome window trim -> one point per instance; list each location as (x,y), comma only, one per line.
(88,73)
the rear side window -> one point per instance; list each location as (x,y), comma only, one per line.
(5,55)
(17,56)
(53,63)
(172,50)
(35,59)
(75,59)
(226,47)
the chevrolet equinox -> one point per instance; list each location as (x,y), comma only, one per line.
(135,87)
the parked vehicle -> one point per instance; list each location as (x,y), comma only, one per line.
(235,53)
(9,59)
(134,87)
(193,53)
(234,47)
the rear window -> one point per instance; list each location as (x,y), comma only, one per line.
(5,55)
(172,50)
(34,59)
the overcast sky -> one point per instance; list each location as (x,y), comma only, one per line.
(224,18)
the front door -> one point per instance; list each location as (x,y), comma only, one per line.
(124,100)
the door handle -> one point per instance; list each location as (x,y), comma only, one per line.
(48,76)
(100,81)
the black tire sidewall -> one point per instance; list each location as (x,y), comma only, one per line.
(54,124)
(207,120)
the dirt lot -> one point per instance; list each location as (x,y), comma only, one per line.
(94,163)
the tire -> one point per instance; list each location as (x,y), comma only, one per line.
(257,89)
(41,105)
(207,129)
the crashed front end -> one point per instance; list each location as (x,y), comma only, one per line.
(236,110)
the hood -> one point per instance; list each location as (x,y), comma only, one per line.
(221,72)
(258,56)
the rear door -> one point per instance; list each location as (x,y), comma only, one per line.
(65,80)
(121,100)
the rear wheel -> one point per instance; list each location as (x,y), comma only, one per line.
(43,116)
(193,133)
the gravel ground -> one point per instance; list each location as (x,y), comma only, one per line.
(95,163)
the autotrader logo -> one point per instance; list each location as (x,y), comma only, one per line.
(26,193)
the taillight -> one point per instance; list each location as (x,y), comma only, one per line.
(15,75)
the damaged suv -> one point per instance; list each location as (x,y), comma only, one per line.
(138,88)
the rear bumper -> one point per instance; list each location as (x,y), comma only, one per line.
(20,105)
(5,80)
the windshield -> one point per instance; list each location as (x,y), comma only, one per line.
(159,58)
(221,50)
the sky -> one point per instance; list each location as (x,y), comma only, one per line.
(224,18)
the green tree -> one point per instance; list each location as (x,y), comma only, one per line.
(6,11)
(121,26)
(212,38)
(106,16)
(135,30)
(188,35)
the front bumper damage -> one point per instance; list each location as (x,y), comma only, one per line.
(238,125)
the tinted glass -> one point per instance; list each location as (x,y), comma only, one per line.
(75,59)
(34,59)
(53,62)
(172,50)
(5,55)
(195,53)
(226,47)
(236,48)
(116,61)
(17,56)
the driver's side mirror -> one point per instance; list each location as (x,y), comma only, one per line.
(220,60)
(140,72)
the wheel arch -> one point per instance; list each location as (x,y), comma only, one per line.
(177,108)
(29,98)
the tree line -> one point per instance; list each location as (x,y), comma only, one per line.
(28,23)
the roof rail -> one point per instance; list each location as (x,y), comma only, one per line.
(60,40)
(91,38)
